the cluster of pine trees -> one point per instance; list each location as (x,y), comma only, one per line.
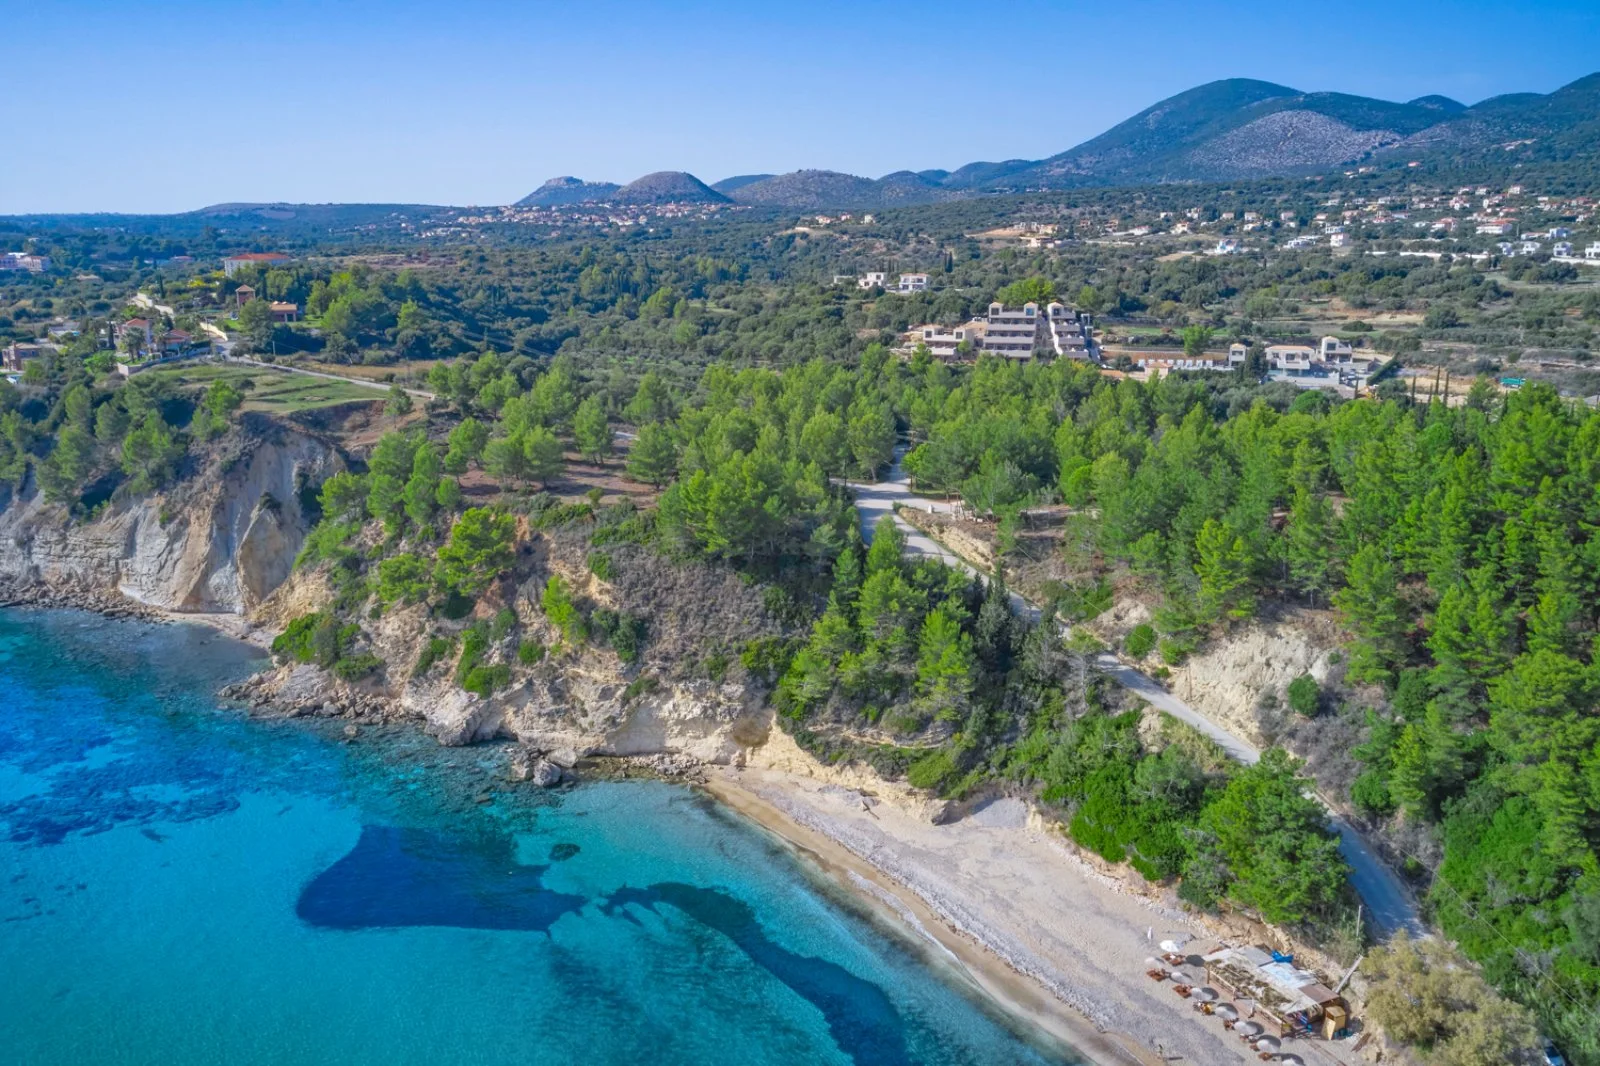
(84,435)
(1459,547)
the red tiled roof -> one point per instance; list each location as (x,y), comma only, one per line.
(259,257)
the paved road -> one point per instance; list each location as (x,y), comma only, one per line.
(1388,903)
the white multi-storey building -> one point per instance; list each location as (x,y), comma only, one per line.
(1013,332)
(1020,333)
(1069,333)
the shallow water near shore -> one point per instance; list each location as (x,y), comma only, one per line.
(182,884)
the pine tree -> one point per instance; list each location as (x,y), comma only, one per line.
(1220,563)
(542,453)
(652,401)
(995,628)
(653,457)
(466,444)
(505,460)
(1308,544)
(592,430)
(888,545)
(945,665)
(1370,603)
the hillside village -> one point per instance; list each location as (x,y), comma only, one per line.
(1556,238)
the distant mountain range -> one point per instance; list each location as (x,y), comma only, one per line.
(1228,130)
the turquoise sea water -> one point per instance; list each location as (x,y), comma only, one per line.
(180,884)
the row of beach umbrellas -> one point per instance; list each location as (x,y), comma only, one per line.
(1252,1032)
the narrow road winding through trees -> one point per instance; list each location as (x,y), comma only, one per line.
(1389,905)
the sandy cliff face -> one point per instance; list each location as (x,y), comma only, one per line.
(219,541)
(1225,680)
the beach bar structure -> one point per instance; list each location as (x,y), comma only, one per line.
(1294,1000)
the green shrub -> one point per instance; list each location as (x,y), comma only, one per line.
(355,667)
(1097,838)
(1081,603)
(1370,793)
(782,605)
(474,646)
(559,514)
(404,578)
(504,622)
(932,769)
(329,540)
(1174,651)
(1147,869)
(1305,696)
(623,524)
(485,679)
(1103,821)
(562,612)
(638,687)
(625,633)
(432,652)
(1200,888)
(1140,641)
(599,564)
(715,665)
(530,652)
(295,640)
(768,657)
(315,638)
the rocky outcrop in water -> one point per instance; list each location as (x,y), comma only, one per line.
(532,767)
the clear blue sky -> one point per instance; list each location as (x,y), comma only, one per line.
(133,106)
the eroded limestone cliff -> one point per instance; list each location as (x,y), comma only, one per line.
(686,693)
(220,540)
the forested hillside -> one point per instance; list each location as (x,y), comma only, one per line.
(722,377)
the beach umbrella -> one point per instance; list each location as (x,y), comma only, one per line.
(1205,995)
(1250,1029)
(1181,978)
(1292,1060)
(1269,1044)
(1153,963)
(1174,946)
(1227,1012)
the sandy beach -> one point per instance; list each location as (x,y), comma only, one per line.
(1057,943)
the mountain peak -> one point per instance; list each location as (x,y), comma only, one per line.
(567,190)
(1233,128)
(668,186)
(1435,102)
